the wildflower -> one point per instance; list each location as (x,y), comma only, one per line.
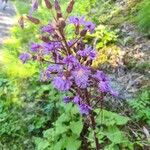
(55,68)
(77,20)
(48,28)
(77,99)
(24,57)
(70,61)
(35,47)
(62,83)
(51,47)
(89,26)
(84,109)
(88,52)
(81,76)
(45,76)
(104,86)
(100,76)
(67,99)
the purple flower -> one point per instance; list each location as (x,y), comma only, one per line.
(77,20)
(24,57)
(48,28)
(84,109)
(35,5)
(51,47)
(100,76)
(104,86)
(67,99)
(35,47)
(77,99)
(70,61)
(81,76)
(45,76)
(55,68)
(89,26)
(62,83)
(88,52)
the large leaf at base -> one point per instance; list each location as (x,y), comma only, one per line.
(109,118)
(76,127)
(73,144)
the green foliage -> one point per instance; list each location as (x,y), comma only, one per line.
(141,108)
(110,129)
(65,132)
(25,113)
(143,17)
(103,37)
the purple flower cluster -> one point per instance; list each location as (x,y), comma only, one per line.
(77,21)
(24,57)
(69,65)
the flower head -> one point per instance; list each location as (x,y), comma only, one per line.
(35,47)
(55,68)
(104,86)
(89,26)
(45,76)
(24,57)
(77,99)
(48,28)
(81,76)
(88,52)
(77,20)
(51,47)
(84,109)
(101,76)
(67,99)
(70,61)
(62,83)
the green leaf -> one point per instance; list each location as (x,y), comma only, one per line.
(73,144)
(110,118)
(41,144)
(114,135)
(76,127)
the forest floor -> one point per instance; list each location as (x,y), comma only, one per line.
(6,21)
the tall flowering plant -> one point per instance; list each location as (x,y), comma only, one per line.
(69,65)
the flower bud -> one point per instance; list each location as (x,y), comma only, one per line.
(57,6)
(61,23)
(44,38)
(77,30)
(48,4)
(21,22)
(70,6)
(83,33)
(59,15)
(34,20)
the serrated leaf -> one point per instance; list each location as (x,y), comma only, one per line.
(73,144)
(76,127)
(110,118)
